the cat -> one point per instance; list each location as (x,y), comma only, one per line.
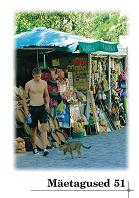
(73,146)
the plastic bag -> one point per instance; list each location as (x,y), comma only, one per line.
(61,107)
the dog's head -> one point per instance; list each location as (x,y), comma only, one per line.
(61,147)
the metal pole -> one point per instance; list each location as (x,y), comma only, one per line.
(37,58)
(44,59)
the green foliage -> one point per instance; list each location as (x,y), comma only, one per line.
(109,26)
(99,25)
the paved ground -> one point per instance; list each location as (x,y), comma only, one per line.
(108,151)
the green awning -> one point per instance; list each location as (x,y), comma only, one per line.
(90,47)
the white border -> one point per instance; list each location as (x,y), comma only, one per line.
(17,183)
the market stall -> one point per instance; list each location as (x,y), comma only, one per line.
(108,81)
(80,77)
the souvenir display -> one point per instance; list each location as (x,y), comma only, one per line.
(119,92)
(105,94)
(76,107)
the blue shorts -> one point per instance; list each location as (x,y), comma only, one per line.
(38,113)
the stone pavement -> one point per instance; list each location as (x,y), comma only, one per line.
(108,151)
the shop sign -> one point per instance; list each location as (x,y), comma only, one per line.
(97,46)
(80,73)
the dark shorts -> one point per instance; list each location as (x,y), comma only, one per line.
(38,113)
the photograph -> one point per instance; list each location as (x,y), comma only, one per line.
(71,90)
(69,99)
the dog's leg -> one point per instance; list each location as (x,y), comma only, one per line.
(79,154)
(71,154)
(63,158)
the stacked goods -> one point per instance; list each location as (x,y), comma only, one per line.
(78,121)
(78,129)
(103,125)
(20,121)
(38,135)
(18,96)
(58,136)
(18,100)
(19,115)
(19,145)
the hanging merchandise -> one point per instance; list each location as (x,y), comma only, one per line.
(105,83)
(119,88)
(115,76)
(103,121)
(104,91)
(122,84)
(115,115)
(97,77)
(74,113)
(103,126)
(46,75)
(50,76)
(118,69)
(122,115)
(63,85)
(92,87)
(95,66)
(84,120)
(53,102)
(100,71)
(54,76)
(63,115)
(105,65)
(80,96)
(61,107)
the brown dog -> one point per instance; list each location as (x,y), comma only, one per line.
(73,146)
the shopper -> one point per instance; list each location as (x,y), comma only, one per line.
(36,90)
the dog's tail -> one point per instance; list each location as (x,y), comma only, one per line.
(87,147)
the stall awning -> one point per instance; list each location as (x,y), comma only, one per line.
(97,46)
(61,41)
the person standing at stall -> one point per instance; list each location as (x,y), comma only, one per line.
(36,90)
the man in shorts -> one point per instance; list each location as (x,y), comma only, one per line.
(37,91)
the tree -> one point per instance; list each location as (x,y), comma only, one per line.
(98,25)
(110,25)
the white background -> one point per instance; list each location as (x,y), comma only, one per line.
(19,183)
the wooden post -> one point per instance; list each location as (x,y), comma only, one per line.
(109,81)
(93,108)
(89,84)
(126,97)
(90,69)
(90,99)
